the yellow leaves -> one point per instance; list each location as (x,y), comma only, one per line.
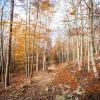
(29,37)
(19,48)
(2,23)
(73,12)
(15,29)
(20,40)
(45,5)
(19,54)
(42,37)
(27,33)
(8,22)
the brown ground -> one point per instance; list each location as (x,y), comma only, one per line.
(56,84)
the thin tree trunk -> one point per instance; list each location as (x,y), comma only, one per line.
(37,16)
(44,60)
(37,60)
(1,49)
(26,54)
(88,57)
(78,50)
(7,72)
(92,38)
(62,54)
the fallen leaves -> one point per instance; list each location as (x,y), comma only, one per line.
(56,85)
(65,77)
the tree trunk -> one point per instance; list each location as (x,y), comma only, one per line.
(37,60)
(1,49)
(91,40)
(88,57)
(44,60)
(7,72)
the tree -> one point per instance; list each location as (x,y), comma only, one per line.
(92,39)
(8,65)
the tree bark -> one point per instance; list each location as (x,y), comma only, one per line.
(91,39)
(7,72)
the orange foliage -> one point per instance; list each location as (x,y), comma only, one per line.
(65,77)
(45,5)
(20,40)
(93,88)
(19,48)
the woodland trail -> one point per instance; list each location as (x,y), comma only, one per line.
(59,84)
(49,50)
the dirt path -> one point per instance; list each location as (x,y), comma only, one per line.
(30,89)
(57,84)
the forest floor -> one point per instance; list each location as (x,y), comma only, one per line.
(62,83)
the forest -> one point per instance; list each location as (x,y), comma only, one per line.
(49,49)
